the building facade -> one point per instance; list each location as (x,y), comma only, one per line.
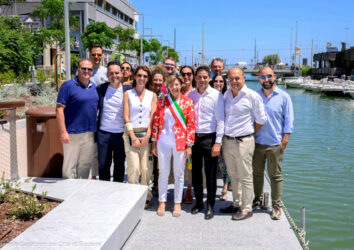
(112,12)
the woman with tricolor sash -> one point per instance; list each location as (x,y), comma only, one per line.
(173,134)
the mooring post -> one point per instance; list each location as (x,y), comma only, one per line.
(302,222)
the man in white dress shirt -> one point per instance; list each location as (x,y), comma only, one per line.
(209,112)
(244,114)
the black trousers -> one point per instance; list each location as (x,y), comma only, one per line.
(155,172)
(201,153)
(107,144)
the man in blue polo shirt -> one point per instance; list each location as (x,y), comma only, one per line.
(77,119)
(271,140)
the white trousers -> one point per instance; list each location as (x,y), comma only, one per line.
(78,155)
(165,153)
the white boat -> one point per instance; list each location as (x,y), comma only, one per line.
(293,82)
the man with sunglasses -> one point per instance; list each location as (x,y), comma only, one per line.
(77,120)
(99,74)
(271,140)
(170,65)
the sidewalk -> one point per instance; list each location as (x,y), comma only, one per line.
(194,232)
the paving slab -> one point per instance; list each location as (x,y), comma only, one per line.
(93,215)
(194,232)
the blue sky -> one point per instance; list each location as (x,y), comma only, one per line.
(231,26)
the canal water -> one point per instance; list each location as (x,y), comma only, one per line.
(318,168)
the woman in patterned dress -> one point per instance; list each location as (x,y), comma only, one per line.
(173,135)
(219,83)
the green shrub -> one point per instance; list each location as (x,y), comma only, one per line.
(27,206)
(305,71)
(41,76)
(23,77)
(22,206)
(7,77)
(5,188)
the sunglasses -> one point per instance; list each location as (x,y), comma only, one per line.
(169,65)
(186,74)
(86,69)
(96,55)
(266,76)
(143,76)
(219,81)
(126,68)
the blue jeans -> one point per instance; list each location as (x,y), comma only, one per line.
(107,144)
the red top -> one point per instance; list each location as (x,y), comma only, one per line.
(182,137)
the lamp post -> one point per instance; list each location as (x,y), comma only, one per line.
(141,40)
(67,34)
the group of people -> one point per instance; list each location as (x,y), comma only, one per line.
(182,122)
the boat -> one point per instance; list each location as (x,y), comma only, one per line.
(296,82)
(338,87)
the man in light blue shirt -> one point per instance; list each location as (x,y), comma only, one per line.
(271,140)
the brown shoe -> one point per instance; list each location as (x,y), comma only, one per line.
(189,196)
(230,209)
(147,204)
(242,216)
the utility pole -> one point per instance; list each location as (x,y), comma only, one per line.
(291,46)
(312,54)
(255,52)
(295,44)
(185,60)
(192,56)
(174,45)
(202,45)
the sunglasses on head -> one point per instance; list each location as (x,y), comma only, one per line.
(266,76)
(86,69)
(186,74)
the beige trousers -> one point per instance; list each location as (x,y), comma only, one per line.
(94,169)
(78,155)
(137,164)
(238,158)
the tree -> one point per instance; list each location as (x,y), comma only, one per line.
(98,33)
(19,47)
(52,10)
(136,46)
(271,59)
(161,52)
(125,38)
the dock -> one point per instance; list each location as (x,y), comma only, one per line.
(194,232)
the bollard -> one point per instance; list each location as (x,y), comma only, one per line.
(13,144)
(302,221)
(265,201)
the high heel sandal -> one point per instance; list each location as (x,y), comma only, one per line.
(176,213)
(160,212)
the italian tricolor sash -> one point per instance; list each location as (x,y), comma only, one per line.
(177,113)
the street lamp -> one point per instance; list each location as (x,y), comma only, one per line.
(67,34)
(150,31)
(141,41)
(168,41)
